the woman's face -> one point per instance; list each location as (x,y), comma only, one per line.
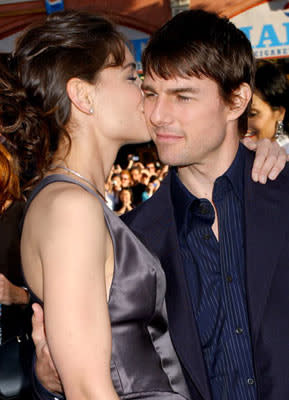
(262,119)
(125,197)
(119,103)
(125,180)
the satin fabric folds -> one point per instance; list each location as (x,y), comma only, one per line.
(144,364)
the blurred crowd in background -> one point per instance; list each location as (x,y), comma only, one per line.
(129,186)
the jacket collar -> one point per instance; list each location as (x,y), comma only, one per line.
(266,227)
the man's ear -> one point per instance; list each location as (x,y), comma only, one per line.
(79,93)
(239,101)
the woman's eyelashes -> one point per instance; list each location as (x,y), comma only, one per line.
(133,77)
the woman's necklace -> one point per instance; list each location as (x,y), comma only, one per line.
(79,176)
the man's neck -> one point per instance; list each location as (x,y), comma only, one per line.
(200,178)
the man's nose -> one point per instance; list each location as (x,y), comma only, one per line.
(160,114)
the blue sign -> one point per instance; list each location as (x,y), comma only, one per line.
(54,5)
(267,27)
(139,45)
(269,43)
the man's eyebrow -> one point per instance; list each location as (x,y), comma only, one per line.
(131,65)
(172,90)
(147,87)
(191,90)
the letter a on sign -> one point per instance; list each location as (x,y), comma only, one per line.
(268,33)
(54,5)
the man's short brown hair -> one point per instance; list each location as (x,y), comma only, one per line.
(199,43)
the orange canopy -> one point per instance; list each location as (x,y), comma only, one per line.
(143,15)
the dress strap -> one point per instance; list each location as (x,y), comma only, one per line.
(51,179)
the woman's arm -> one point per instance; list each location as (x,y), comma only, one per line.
(73,255)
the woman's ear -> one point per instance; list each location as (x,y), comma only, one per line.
(239,101)
(79,93)
(280,113)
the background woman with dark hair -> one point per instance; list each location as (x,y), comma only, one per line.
(268,117)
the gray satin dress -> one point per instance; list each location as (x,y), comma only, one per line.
(144,364)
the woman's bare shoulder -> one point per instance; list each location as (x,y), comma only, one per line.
(63,205)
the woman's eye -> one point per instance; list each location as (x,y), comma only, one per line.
(252,114)
(132,78)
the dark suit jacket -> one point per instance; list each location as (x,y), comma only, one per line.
(267,281)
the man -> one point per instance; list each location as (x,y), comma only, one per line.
(137,186)
(221,237)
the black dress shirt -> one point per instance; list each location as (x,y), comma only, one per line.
(215,272)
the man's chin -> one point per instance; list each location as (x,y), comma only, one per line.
(171,161)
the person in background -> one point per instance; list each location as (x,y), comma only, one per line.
(113,192)
(137,186)
(15,316)
(125,178)
(151,167)
(269,114)
(154,179)
(150,189)
(145,177)
(126,201)
(163,172)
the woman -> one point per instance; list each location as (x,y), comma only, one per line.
(126,198)
(14,315)
(268,117)
(69,116)
(11,291)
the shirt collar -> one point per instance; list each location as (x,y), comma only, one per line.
(183,199)
(235,173)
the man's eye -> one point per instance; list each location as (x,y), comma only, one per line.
(148,94)
(184,98)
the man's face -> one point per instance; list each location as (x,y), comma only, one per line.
(186,117)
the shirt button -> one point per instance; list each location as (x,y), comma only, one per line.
(206,236)
(239,331)
(250,381)
(229,278)
(204,210)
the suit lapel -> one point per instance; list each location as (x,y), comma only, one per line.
(154,223)
(266,222)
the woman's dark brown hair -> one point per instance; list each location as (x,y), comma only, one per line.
(34,105)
